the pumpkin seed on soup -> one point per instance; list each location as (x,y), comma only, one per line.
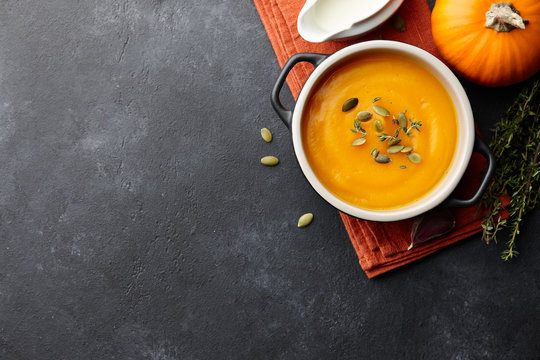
(415,158)
(406,149)
(266,134)
(380,110)
(358,142)
(394,141)
(402,120)
(378,126)
(394,149)
(305,220)
(270,161)
(382,159)
(349,104)
(363,116)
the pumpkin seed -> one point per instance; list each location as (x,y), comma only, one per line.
(305,220)
(382,159)
(378,126)
(380,110)
(266,134)
(415,158)
(398,23)
(394,141)
(377,99)
(403,167)
(374,152)
(363,116)
(349,104)
(270,161)
(406,149)
(358,142)
(402,120)
(394,149)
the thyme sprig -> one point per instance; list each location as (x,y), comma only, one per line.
(516,146)
(384,136)
(414,125)
(358,128)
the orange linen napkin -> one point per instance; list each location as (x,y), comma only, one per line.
(380,246)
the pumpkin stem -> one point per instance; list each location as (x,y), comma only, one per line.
(504,17)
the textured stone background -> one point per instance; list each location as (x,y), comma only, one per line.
(137,223)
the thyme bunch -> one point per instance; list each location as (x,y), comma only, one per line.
(516,146)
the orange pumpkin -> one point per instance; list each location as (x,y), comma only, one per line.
(489,42)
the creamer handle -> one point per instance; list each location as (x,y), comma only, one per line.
(480,147)
(284,113)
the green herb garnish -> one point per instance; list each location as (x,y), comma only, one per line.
(392,139)
(358,128)
(414,125)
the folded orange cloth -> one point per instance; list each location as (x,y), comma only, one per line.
(380,246)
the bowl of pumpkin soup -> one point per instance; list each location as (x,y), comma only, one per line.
(382,130)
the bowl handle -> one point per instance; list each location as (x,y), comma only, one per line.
(286,114)
(480,147)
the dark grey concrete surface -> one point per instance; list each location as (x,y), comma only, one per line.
(137,223)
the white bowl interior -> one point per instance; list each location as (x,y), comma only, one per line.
(465,125)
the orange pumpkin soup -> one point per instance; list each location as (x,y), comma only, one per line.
(351,172)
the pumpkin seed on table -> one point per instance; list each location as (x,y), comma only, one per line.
(363,116)
(378,126)
(407,149)
(270,161)
(394,149)
(382,159)
(305,220)
(266,134)
(380,110)
(415,158)
(349,104)
(358,142)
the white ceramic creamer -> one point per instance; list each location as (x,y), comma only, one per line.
(338,15)
(322,20)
